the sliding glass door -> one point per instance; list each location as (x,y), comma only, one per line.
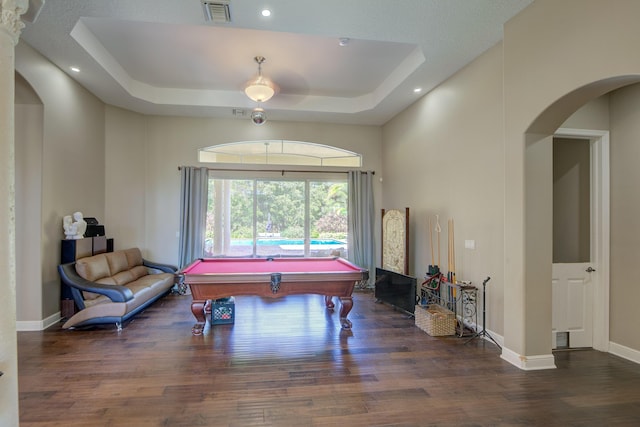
(266,217)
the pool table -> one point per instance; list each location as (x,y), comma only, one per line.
(213,278)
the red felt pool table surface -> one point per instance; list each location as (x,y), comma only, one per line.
(213,278)
(269,265)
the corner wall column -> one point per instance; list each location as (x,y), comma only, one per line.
(10,28)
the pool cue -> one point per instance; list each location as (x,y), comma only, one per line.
(453,254)
(449,260)
(453,258)
(431,242)
(449,274)
(438,231)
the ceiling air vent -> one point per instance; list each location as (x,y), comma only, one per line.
(217,11)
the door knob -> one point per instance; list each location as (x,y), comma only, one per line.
(590,269)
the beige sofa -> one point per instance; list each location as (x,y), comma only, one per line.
(112,287)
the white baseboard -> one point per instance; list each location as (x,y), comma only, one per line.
(528,363)
(37,325)
(624,352)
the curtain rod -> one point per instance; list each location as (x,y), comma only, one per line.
(282,171)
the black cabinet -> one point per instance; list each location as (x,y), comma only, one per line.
(76,248)
(72,250)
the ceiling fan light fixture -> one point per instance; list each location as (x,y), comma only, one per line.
(260,89)
(258,116)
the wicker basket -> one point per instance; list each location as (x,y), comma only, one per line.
(435,320)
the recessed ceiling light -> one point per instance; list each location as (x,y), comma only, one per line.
(266,12)
(75,69)
(417,90)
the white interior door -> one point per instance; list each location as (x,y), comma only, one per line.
(572,304)
(576,240)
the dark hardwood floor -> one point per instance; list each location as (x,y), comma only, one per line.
(286,362)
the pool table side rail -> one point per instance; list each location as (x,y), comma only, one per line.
(222,290)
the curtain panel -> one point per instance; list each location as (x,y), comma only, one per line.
(193,213)
(362,222)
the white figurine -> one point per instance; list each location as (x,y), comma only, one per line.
(80,224)
(70,229)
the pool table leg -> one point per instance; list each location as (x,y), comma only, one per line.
(328,301)
(197,308)
(347,304)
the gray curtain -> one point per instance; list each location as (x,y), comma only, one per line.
(193,213)
(361,222)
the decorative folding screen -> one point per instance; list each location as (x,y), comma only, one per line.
(395,240)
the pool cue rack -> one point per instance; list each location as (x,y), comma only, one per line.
(460,298)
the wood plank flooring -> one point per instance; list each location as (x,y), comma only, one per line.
(286,362)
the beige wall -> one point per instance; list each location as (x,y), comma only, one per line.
(73,166)
(28,159)
(144,152)
(443,156)
(625,215)
(593,115)
(125,178)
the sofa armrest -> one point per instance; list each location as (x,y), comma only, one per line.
(70,277)
(162,267)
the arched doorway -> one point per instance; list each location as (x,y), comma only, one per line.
(538,220)
(556,57)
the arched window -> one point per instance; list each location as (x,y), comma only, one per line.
(279,152)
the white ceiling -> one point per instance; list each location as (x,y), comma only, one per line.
(163,57)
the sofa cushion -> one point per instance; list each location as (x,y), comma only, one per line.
(117,262)
(104,281)
(139,271)
(134,257)
(93,268)
(123,277)
(162,280)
